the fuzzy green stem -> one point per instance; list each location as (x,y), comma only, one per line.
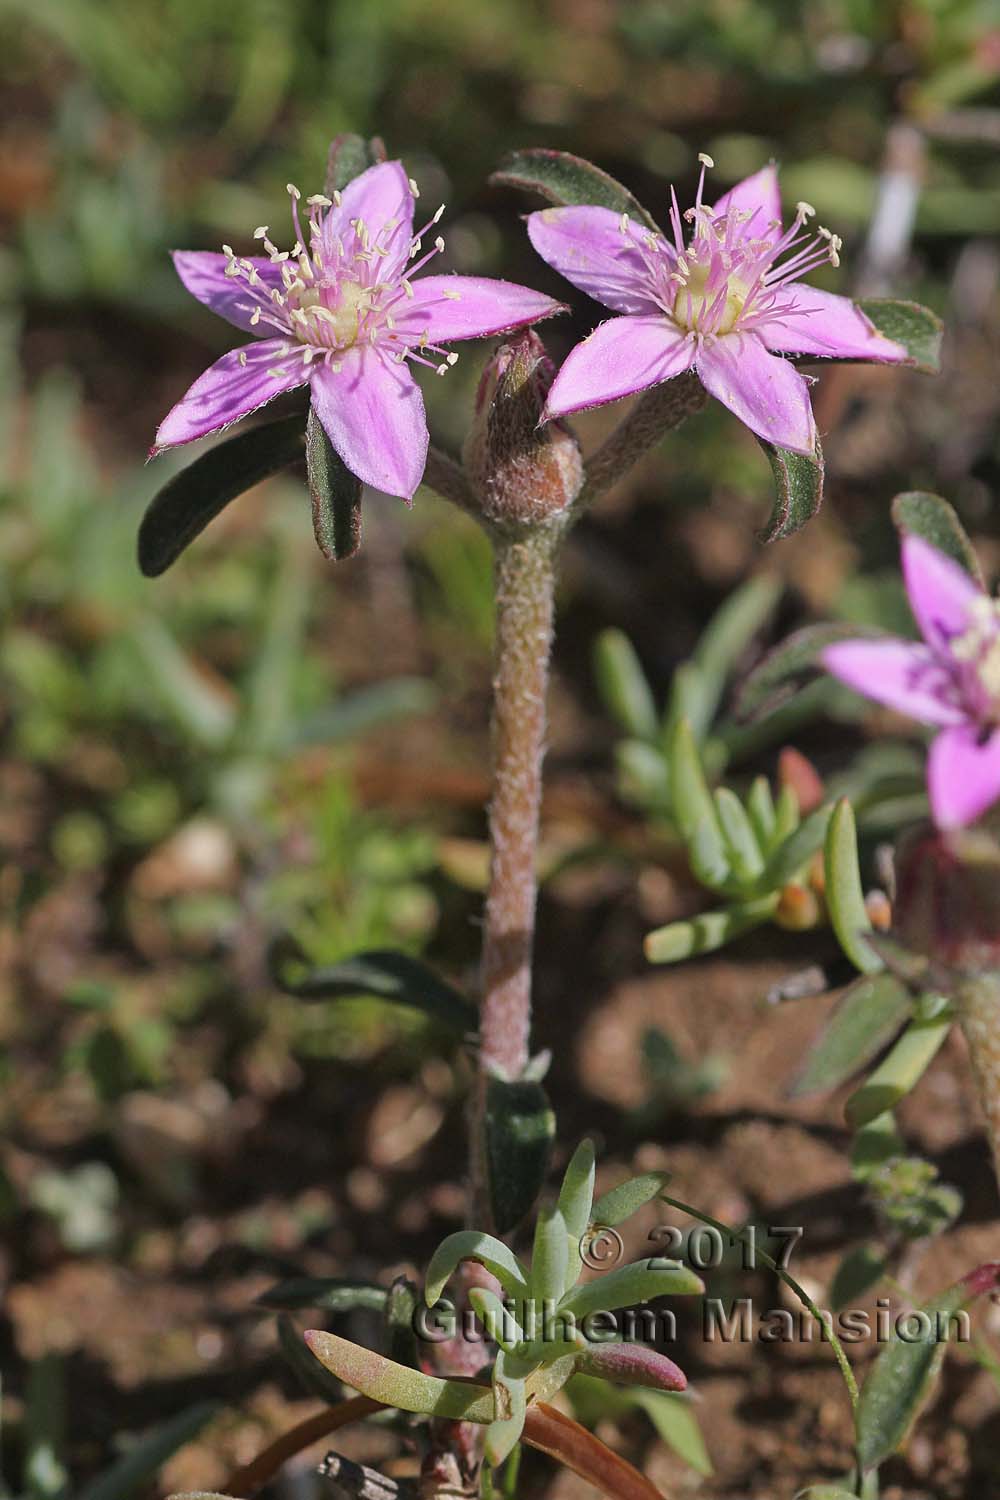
(655,413)
(977,1001)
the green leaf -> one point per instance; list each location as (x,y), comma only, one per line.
(314,1379)
(575,1198)
(845,898)
(201,708)
(400,1321)
(638,1282)
(472,1244)
(860,1270)
(567,180)
(499,1322)
(798,848)
(741,842)
(336,1294)
(622,685)
(790,665)
(503,1434)
(724,641)
(707,932)
(383,972)
(798,483)
(45,1476)
(520,1128)
(335,494)
(130,1474)
(918,513)
(676,1424)
(901,1378)
(195,496)
(907,323)
(898,1073)
(349,156)
(872,1009)
(549,1256)
(627,1198)
(693,806)
(761,811)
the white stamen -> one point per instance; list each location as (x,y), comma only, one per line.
(413,188)
(705,159)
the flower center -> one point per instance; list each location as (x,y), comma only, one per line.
(978,650)
(697,303)
(331,316)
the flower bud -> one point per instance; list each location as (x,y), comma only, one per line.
(525,474)
(947,903)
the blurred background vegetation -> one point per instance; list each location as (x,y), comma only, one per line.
(257,744)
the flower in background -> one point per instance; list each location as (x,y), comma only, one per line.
(951,680)
(726,304)
(341,313)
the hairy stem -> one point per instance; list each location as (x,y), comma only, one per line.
(525,589)
(651,418)
(977,1000)
(447,478)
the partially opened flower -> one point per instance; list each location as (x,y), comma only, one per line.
(727,304)
(341,313)
(951,680)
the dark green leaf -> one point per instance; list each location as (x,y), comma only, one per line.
(335,1293)
(790,665)
(45,1476)
(130,1474)
(314,1379)
(798,483)
(520,1127)
(907,323)
(932,518)
(383,972)
(335,494)
(195,496)
(400,1313)
(567,180)
(349,156)
(870,1012)
(860,1270)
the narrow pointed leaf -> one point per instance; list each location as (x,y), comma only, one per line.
(709,857)
(400,1314)
(195,496)
(799,847)
(908,323)
(918,513)
(860,1270)
(706,933)
(575,1198)
(331,1292)
(676,1424)
(472,1244)
(499,1322)
(724,641)
(692,800)
(621,1202)
(638,1282)
(520,1128)
(567,180)
(382,972)
(788,667)
(550,1256)
(898,1073)
(844,897)
(129,1475)
(761,811)
(335,494)
(504,1433)
(741,842)
(871,1011)
(798,484)
(313,1377)
(623,685)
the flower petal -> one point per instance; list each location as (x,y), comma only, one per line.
(373,413)
(963,775)
(620,357)
(468,307)
(237,384)
(903,675)
(589,248)
(204,275)
(764,391)
(941,593)
(377,197)
(802,320)
(759,196)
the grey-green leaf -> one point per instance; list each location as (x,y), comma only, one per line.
(335,494)
(621,1202)
(789,666)
(336,1294)
(623,685)
(567,180)
(707,932)
(898,1073)
(798,483)
(520,1128)
(908,323)
(550,1256)
(195,496)
(472,1244)
(872,1009)
(314,1379)
(918,513)
(638,1282)
(844,897)
(391,976)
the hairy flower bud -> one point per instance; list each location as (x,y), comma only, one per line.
(525,474)
(948,898)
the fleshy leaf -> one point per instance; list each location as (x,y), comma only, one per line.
(503,1434)
(798,483)
(567,180)
(195,496)
(921,514)
(799,847)
(871,1010)
(901,1378)
(621,1202)
(694,808)
(520,1127)
(707,932)
(741,841)
(907,323)
(383,972)
(844,897)
(472,1244)
(335,494)
(898,1073)
(638,1282)
(334,1293)
(499,1322)
(790,665)
(632,1364)
(314,1379)
(623,685)
(575,1198)
(550,1256)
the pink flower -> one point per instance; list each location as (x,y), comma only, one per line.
(720,305)
(951,680)
(341,313)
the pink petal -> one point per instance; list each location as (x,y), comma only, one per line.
(373,413)
(620,357)
(963,775)
(203,273)
(378,197)
(760,196)
(941,592)
(229,390)
(903,675)
(765,392)
(468,307)
(803,320)
(588,247)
